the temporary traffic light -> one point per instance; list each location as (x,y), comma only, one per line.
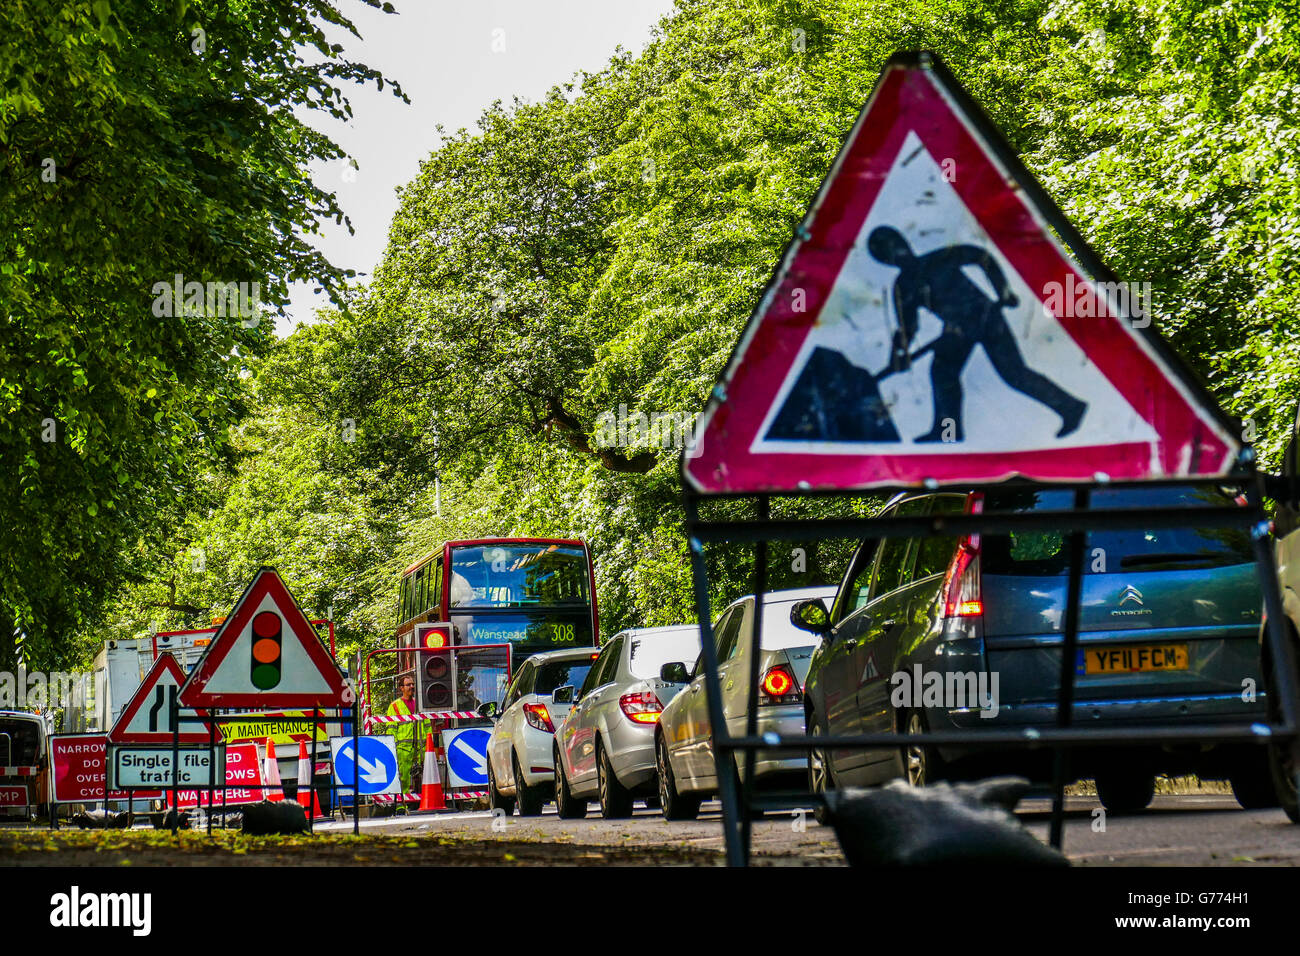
(268,650)
(436,681)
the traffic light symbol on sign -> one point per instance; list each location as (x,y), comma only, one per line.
(268,650)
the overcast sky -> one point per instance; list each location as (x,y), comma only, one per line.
(452,60)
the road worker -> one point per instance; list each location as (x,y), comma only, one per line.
(407,735)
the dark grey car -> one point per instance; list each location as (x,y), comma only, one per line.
(942,633)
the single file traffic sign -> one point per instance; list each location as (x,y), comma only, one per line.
(927,325)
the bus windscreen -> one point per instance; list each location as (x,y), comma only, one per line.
(518,575)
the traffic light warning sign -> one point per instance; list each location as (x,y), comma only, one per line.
(266,654)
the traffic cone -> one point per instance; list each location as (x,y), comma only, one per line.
(306,792)
(271,773)
(431,796)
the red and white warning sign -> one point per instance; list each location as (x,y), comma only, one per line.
(266,654)
(79,765)
(927,326)
(243,781)
(147,716)
(13,796)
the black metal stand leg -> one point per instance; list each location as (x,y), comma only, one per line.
(1065,689)
(751,708)
(723,759)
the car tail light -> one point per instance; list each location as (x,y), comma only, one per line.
(961,585)
(538,716)
(641,708)
(779,687)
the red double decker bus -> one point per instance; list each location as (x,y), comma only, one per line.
(535,594)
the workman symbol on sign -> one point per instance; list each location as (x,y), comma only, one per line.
(935,281)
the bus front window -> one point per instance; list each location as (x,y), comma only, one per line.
(518,575)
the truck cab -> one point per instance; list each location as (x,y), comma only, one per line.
(24,764)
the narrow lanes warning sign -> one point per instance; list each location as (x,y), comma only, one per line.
(147,716)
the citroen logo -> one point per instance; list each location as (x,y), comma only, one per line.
(1130,593)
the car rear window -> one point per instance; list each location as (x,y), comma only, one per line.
(1036,553)
(553,674)
(650,653)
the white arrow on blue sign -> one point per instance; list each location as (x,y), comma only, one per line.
(375,769)
(467,756)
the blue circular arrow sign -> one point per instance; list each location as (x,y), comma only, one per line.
(467,755)
(377,770)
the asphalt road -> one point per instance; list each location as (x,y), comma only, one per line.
(1202,829)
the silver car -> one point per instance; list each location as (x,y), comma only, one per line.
(519,751)
(604,749)
(684,735)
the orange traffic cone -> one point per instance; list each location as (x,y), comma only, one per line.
(271,773)
(306,792)
(431,796)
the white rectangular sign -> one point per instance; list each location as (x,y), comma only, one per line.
(151,767)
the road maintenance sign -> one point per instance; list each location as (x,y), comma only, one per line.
(147,716)
(466,756)
(259,726)
(927,326)
(375,768)
(265,654)
(14,797)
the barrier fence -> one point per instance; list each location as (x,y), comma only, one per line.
(1280,655)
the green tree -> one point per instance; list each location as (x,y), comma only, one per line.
(139,142)
(602,249)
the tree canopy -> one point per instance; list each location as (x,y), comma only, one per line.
(144,147)
(598,252)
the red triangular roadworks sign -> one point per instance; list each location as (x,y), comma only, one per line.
(280,662)
(136,725)
(925,326)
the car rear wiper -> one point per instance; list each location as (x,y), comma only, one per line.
(1167,557)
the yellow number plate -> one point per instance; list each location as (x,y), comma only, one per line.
(1135,658)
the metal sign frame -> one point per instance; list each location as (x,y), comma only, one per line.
(1284,690)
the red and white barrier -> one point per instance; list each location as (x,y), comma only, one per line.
(19,771)
(414,797)
(428,715)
